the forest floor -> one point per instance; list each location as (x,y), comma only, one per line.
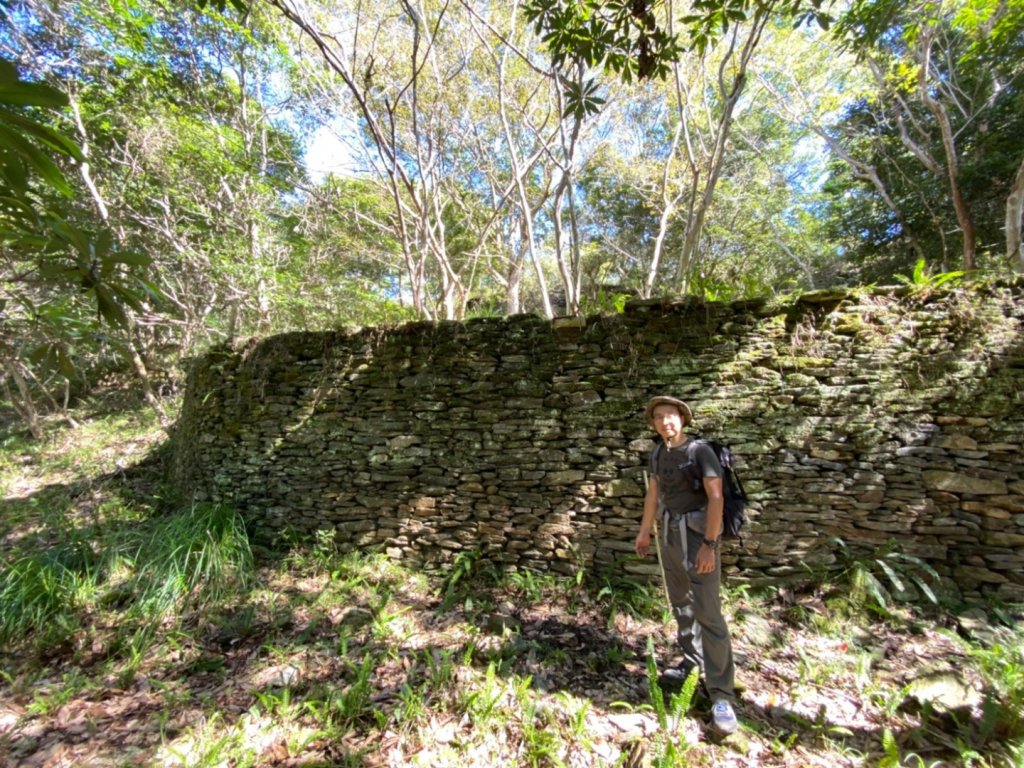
(307,656)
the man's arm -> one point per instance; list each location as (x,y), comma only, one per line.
(643,538)
(705,561)
(716,507)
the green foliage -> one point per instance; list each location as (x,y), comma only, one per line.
(48,699)
(27,224)
(915,217)
(59,278)
(626,37)
(532,586)
(170,171)
(920,280)
(339,708)
(467,567)
(41,594)
(607,301)
(184,559)
(634,41)
(481,702)
(639,599)
(197,555)
(1002,666)
(668,750)
(541,738)
(881,578)
(21,157)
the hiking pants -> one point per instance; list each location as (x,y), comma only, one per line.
(703,635)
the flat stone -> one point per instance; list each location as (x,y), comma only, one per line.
(958,482)
(944,691)
(622,487)
(975,573)
(566,477)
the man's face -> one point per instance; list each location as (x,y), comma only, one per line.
(667,422)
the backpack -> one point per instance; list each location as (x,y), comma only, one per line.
(733,496)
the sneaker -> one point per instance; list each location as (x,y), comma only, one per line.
(678,673)
(723,717)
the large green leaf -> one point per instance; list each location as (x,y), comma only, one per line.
(53,139)
(15,147)
(109,308)
(32,95)
(133,258)
(73,236)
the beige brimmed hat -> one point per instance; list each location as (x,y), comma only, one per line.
(683,408)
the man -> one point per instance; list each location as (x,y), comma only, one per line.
(686,486)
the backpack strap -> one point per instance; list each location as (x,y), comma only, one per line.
(653,470)
(662,509)
(696,472)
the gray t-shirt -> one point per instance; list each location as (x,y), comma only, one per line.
(674,470)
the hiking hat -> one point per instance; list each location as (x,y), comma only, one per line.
(683,408)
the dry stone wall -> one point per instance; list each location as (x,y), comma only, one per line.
(864,420)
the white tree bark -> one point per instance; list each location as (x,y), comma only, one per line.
(732,75)
(407,145)
(1015,220)
(939,111)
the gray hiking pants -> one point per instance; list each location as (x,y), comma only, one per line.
(703,635)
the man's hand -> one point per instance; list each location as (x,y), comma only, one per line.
(643,543)
(705,562)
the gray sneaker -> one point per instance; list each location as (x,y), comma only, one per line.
(723,717)
(678,673)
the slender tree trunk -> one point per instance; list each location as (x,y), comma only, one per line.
(869,173)
(526,211)
(568,258)
(513,287)
(22,402)
(419,234)
(960,207)
(668,201)
(941,114)
(1014,221)
(700,205)
(668,208)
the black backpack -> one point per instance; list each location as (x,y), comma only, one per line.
(734,497)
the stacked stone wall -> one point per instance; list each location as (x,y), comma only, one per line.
(866,421)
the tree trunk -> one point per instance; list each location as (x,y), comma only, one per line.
(941,114)
(514,282)
(701,203)
(1014,220)
(22,402)
(668,204)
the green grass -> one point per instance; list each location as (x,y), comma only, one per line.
(45,593)
(146,571)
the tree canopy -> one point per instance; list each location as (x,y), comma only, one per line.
(552,156)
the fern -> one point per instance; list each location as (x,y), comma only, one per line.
(883,577)
(921,280)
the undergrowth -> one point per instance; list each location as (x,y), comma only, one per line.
(112,593)
(140,571)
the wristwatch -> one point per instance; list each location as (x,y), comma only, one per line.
(711,543)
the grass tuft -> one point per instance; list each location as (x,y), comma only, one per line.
(196,556)
(146,571)
(40,593)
